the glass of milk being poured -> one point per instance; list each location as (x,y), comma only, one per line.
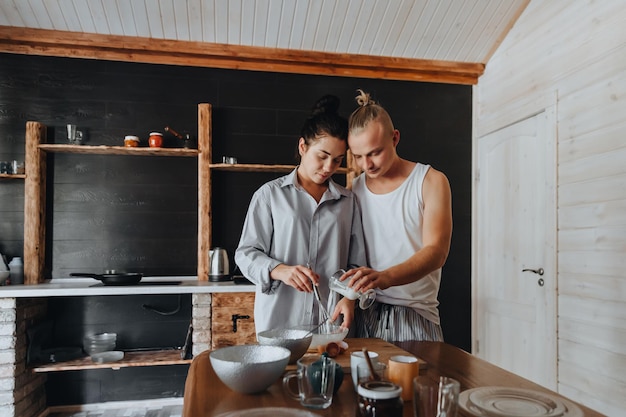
(366,299)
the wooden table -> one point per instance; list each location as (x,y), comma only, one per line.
(206,395)
(471,372)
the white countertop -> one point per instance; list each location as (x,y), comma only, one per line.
(65,287)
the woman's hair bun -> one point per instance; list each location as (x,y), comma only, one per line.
(326,104)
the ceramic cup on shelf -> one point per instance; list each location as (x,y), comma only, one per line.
(17,271)
(17,167)
(74,137)
(71,133)
(4,270)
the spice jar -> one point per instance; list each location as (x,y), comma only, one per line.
(379,398)
(155,140)
(131,141)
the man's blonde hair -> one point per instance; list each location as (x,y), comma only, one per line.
(367,112)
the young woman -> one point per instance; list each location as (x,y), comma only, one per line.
(302,227)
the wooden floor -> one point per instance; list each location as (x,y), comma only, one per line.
(170,410)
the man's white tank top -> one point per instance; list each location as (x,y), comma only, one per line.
(393,233)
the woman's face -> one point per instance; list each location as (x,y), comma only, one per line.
(320,160)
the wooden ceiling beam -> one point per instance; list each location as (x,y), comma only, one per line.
(212,55)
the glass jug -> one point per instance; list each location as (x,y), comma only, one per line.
(366,299)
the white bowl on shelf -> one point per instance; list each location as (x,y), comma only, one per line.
(107,356)
(101,342)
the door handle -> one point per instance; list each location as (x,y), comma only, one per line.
(538,271)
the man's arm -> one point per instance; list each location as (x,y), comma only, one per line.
(437,234)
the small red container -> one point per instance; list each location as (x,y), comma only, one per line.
(155,140)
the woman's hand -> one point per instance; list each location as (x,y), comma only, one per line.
(345,307)
(298,276)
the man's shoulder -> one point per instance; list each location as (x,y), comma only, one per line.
(435,175)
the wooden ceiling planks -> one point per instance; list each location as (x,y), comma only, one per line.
(161,51)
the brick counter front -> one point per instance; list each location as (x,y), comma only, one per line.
(22,393)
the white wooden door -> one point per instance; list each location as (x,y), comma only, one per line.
(515,310)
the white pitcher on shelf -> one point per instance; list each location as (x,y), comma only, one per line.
(4,270)
(16,266)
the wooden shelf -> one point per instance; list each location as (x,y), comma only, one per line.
(35,188)
(131,359)
(13,176)
(260,168)
(117,150)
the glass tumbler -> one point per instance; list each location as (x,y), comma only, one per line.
(366,299)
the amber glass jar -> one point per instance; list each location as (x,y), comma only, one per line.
(155,140)
(131,141)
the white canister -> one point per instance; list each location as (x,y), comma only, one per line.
(17,270)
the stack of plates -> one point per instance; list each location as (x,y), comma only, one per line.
(515,402)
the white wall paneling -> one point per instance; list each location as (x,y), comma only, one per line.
(578,50)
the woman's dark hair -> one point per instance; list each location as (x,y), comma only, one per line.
(325,120)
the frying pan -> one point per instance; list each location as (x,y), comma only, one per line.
(129,278)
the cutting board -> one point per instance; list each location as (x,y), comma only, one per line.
(384,349)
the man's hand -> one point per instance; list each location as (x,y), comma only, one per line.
(363,279)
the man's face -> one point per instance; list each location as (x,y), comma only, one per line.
(374,149)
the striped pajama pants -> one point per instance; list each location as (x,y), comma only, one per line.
(394,324)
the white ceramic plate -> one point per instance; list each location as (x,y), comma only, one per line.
(515,402)
(269,411)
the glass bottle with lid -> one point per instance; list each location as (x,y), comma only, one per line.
(379,398)
(155,140)
(366,299)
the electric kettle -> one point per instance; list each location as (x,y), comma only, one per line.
(219,269)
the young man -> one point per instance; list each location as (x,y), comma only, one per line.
(407,220)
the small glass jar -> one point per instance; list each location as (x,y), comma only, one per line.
(366,299)
(155,140)
(379,398)
(131,141)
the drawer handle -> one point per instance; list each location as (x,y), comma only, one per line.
(236,317)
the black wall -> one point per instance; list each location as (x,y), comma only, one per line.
(139,214)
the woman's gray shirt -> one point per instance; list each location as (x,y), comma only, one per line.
(285,225)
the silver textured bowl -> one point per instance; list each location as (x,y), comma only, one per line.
(325,334)
(296,340)
(249,368)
